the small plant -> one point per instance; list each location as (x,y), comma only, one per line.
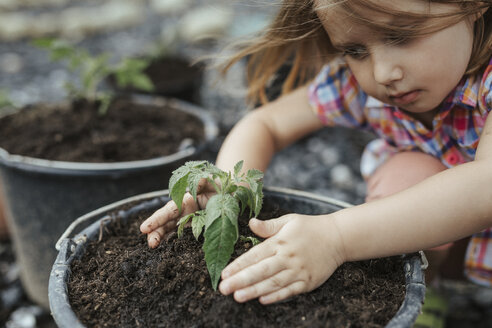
(5,101)
(93,70)
(219,220)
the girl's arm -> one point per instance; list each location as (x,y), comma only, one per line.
(264,131)
(254,139)
(302,252)
(445,207)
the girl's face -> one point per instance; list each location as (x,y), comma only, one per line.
(415,74)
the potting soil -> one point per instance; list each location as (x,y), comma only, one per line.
(121,282)
(126,132)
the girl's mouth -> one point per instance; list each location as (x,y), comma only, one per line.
(405,98)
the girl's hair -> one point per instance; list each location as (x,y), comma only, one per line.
(296,38)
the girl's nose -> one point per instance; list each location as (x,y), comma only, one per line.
(386,69)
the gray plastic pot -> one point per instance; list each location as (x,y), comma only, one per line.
(42,197)
(72,243)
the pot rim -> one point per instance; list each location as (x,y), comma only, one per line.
(165,193)
(211,131)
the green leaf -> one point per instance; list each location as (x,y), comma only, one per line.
(245,197)
(105,100)
(58,49)
(141,82)
(253,240)
(254,179)
(222,206)
(177,186)
(258,199)
(198,223)
(231,189)
(5,99)
(194,179)
(130,72)
(45,43)
(238,167)
(220,238)
(254,174)
(182,222)
(179,180)
(215,172)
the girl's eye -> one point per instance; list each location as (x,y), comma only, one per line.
(357,53)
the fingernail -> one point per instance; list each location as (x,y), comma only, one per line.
(264,300)
(240,295)
(224,288)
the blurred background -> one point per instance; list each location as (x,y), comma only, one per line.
(326,162)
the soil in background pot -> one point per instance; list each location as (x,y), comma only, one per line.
(127,132)
(120,282)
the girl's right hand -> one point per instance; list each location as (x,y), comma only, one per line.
(164,220)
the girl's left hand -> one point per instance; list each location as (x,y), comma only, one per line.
(301,253)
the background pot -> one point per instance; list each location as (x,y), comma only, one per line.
(88,226)
(172,76)
(43,197)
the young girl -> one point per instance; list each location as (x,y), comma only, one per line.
(417,73)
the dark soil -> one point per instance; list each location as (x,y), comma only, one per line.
(120,282)
(78,133)
(172,77)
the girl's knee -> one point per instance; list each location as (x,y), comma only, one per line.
(400,172)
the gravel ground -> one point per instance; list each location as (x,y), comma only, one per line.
(326,162)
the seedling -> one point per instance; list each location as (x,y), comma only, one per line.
(92,70)
(219,220)
(5,101)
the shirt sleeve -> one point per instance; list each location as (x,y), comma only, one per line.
(337,98)
(485,92)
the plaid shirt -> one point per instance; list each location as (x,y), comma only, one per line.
(337,99)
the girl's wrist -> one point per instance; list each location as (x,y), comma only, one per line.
(333,238)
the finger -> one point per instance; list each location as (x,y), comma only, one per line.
(168,213)
(189,205)
(265,287)
(202,186)
(160,217)
(154,238)
(251,275)
(254,255)
(267,228)
(294,288)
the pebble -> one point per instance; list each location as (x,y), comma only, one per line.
(311,161)
(24,317)
(11,63)
(57,78)
(168,7)
(11,296)
(248,25)
(330,155)
(315,145)
(483,297)
(11,274)
(207,22)
(342,176)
